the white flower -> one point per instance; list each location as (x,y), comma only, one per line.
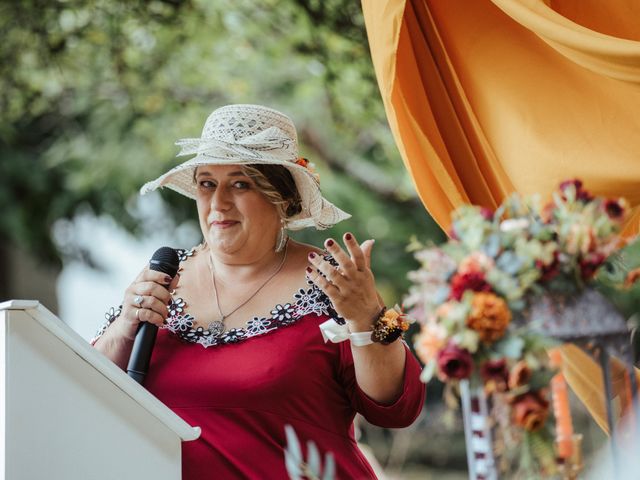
(436,261)
(514,224)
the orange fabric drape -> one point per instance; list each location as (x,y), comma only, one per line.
(482,104)
(487,97)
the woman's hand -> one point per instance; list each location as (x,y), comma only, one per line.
(146,300)
(350,286)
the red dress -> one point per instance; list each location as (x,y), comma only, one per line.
(243,390)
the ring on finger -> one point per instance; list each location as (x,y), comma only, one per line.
(138,301)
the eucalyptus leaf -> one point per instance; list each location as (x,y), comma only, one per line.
(541,378)
(467,339)
(428,371)
(510,347)
(492,245)
(509,262)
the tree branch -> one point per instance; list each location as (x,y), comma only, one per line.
(367,174)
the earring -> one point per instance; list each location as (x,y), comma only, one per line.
(281,241)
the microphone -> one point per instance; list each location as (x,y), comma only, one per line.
(164,260)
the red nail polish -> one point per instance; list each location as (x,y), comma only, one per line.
(348,236)
(329,243)
(167,279)
(312,255)
(309,270)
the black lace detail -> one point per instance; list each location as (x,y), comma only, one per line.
(183,253)
(176,307)
(283,313)
(307,301)
(233,335)
(110,316)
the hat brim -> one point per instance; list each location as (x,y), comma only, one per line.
(317,212)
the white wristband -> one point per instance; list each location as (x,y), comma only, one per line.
(336,333)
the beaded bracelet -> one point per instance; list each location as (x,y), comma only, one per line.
(390,325)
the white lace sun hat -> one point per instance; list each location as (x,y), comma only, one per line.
(250,134)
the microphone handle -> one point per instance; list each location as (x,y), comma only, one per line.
(145,340)
(141,352)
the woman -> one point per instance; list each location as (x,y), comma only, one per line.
(257,298)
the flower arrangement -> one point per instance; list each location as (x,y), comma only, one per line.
(390,325)
(469,291)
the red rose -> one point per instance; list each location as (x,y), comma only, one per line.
(614,209)
(549,271)
(589,264)
(581,194)
(474,281)
(454,363)
(487,214)
(576,183)
(496,371)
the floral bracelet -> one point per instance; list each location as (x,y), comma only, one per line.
(390,324)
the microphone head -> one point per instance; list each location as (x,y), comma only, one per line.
(165,260)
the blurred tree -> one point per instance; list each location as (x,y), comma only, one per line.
(93,93)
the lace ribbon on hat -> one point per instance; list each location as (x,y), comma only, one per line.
(272,140)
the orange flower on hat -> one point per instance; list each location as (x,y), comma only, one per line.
(303,162)
(490,316)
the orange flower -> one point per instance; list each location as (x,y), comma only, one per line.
(444,309)
(519,375)
(429,341)
(303,162)
(530,411)
(475,263)
(490,316)
(632,277)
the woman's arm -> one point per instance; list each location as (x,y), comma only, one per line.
(380,370)
(351,288)
(117,340)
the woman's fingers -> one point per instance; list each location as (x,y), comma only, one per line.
(347,267)
(366,247)
(331,273)
(151,303)
(357,255)
(157,277)
(174,283)
(323,283)
(146,308)
(152,289)
(147,315)
(148,296)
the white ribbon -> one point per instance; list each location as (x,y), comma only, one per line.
(272,140)
(334,332)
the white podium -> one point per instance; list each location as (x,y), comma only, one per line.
(68,413)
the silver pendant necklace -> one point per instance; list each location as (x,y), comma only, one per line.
(217,327)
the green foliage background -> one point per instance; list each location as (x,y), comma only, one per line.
(93,94)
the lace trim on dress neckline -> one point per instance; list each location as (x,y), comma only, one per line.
(179,322)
